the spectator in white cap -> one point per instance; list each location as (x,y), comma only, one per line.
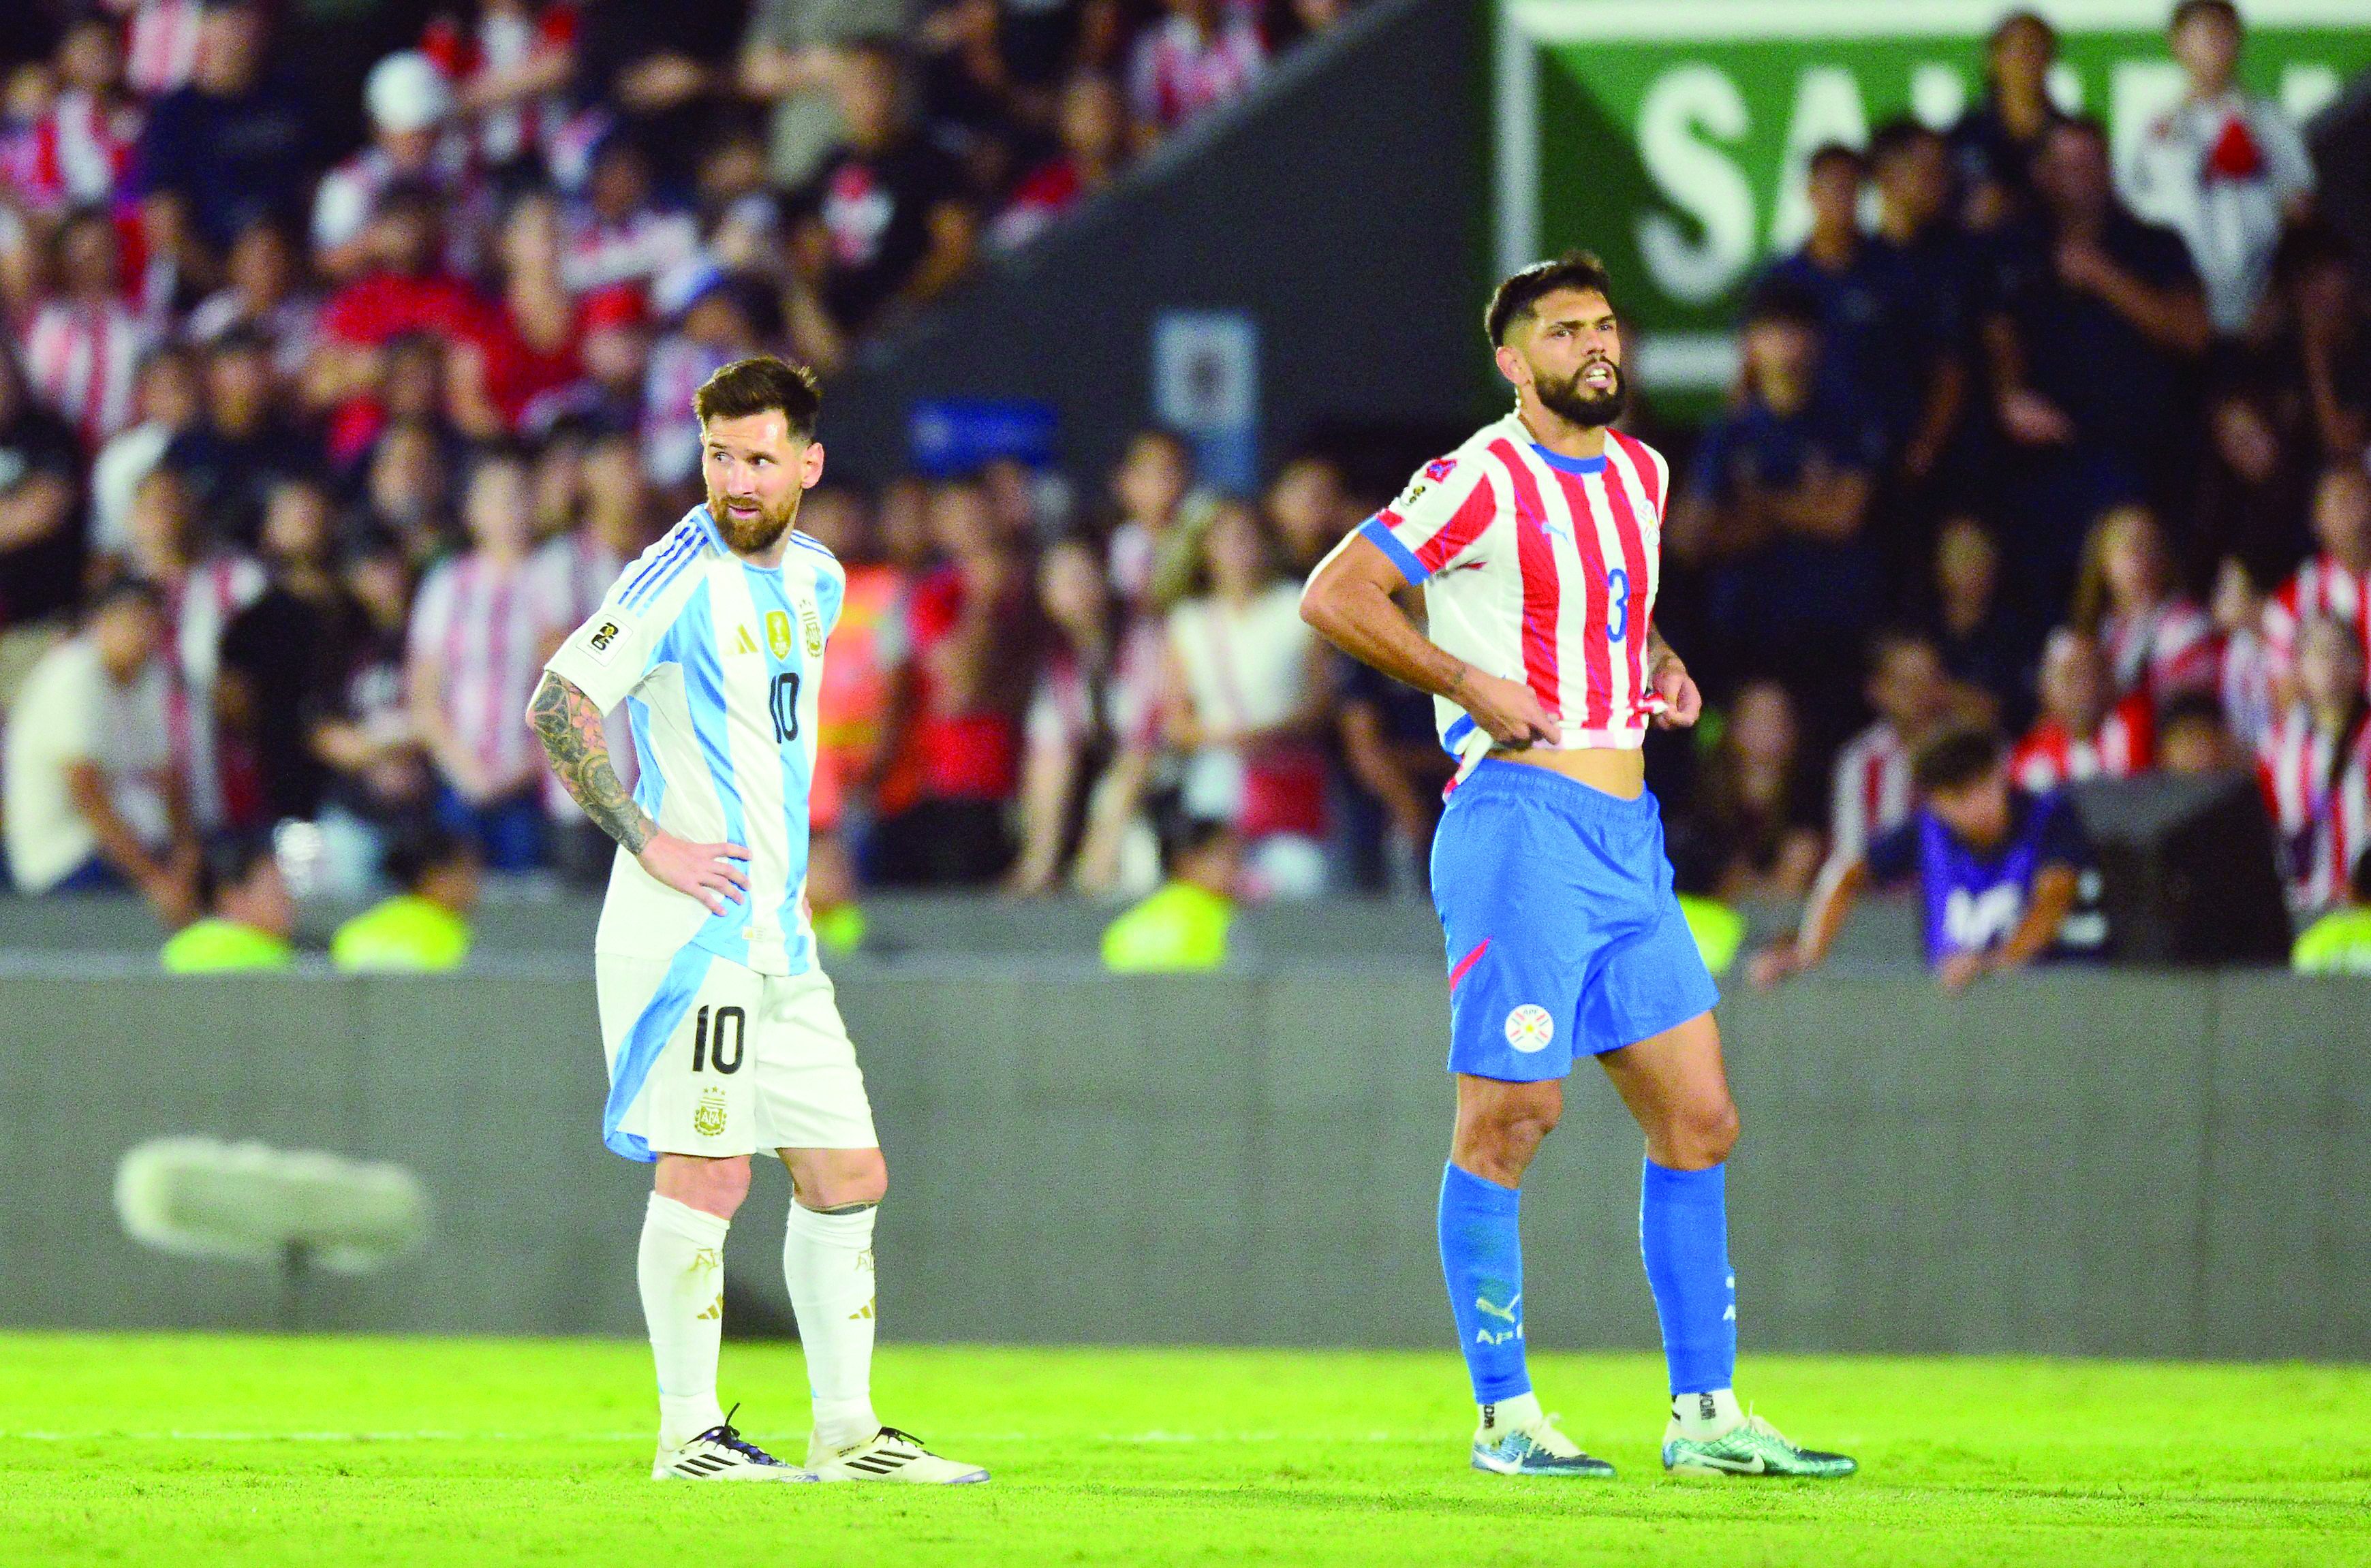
(413,139)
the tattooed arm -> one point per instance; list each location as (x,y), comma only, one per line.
(568,724)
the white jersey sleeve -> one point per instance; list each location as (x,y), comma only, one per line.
(608,656)
(1438,521)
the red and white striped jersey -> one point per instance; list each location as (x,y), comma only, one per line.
(1872,792)
(2246,687)
(83,360)
(2170,647)
(2322,809)
(2051,755)
(2324,588)
(162,51)
(503,40)
(488,628)
(1541,569)
(75,155)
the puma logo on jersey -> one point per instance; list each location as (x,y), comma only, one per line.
(1482,1304)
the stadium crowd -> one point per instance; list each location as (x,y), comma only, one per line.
(326,454)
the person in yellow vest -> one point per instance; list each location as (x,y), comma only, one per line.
(2339,942)
(1183,925)
(249,917)
(425,927)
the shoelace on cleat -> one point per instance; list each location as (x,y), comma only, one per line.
(724,1434)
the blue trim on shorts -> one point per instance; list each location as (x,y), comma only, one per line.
(1383,538)
(648,1037)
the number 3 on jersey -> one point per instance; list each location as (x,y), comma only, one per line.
(784,701)
(1617,609)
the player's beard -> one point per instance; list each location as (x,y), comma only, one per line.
(758,532)
(1569,400)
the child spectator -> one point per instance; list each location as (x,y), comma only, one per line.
(2192,741)
(1913,697)
(1980,644)
(2336,583)
(2006,877)
(1754,823)
(2084,732)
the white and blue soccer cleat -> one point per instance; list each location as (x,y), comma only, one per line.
(721,1453)
(890,1455)
(1535,1447)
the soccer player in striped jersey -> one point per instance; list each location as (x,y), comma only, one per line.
(722,1032)
(1536,544)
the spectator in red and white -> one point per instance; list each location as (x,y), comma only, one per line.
(166,395)
(161,49)
(41,526)
(412,143)
(232,143)
(243,442)
(2316,764)
(1246,686)
(519,371)
(720,323)
(1093,125)
(2335,584)
(482,627)
(616,349)
(614,526)
(84,349)
(2156,639)
(1914,699)
(202,585)
(406,291)
(970,627)
(510,67)
(79,153)
(1152,549)
(884,224)
(2247,689)
(617,232)
(2084,731)
(1091,733)
(265,292)
(94,802)
(2224,168)
(1202,53)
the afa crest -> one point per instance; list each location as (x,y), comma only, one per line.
(708,1118)
(778,633)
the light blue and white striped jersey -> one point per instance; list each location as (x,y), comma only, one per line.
(718,662)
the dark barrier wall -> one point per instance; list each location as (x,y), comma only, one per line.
(2165,1166)
(1341,205)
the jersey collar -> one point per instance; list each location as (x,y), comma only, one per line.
(1564,464)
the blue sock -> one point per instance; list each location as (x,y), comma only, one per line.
(1683,1236)
(1482,1257)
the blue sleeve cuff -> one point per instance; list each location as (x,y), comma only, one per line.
(1401,556)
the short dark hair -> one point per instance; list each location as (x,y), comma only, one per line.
(1955,759)
(1781,301)
(420,848)
(2189,708)
(228,861)
(1512,300)
(755,385)
(1835,152)
(123,590)
(1897,136)
(2186,9)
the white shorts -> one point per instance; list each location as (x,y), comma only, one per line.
(710,1058)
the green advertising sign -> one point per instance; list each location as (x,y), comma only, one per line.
(1670,135)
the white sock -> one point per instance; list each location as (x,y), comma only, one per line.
(681,1271)
(1708,1414)
(1510,1414)
(827,1264)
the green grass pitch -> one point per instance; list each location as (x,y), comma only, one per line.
(193,1450)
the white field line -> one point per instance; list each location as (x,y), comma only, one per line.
(429,1434)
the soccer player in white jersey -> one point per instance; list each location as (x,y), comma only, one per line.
(721,1034)
(1537,546)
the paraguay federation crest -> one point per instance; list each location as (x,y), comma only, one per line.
(708,1116)
(1528,1028)
(778,633)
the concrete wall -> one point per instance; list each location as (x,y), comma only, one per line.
(2087,1164)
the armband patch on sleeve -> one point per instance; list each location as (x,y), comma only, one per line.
(600,640)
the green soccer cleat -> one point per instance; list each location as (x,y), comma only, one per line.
(1752,1446)
(1537,1450)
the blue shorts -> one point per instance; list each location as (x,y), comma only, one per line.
(1563,935)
